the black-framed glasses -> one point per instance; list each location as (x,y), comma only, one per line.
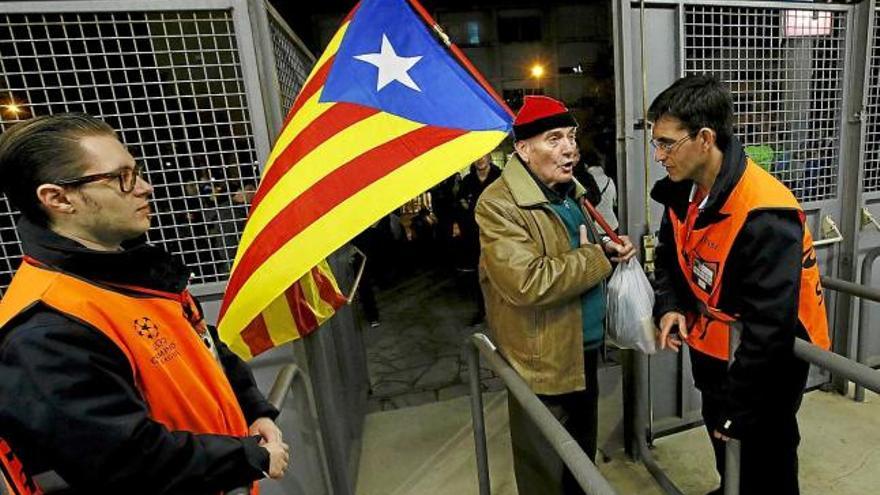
(127,177)
(670,148)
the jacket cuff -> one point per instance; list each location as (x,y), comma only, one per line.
(255,406)
(257,456)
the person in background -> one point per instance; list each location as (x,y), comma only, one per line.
(607,204)
(482,173)
(734,254)
(112,380)
(542,270)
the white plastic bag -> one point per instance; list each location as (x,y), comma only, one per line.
(630,306)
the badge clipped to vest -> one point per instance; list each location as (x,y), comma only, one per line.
(703,273)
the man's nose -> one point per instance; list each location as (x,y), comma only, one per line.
(142,187)
(659,155)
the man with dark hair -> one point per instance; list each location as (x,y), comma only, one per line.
(542,271)
(112,381)
(735,253)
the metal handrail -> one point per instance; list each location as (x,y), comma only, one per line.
(277,396)
(847,368)
(584,471)
(855,372)
(854,289)
(861,342)
(641,418)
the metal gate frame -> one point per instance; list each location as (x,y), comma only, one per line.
(333,360)
(672,376)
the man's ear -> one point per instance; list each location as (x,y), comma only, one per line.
(54,199)
(708,138)
(522,149)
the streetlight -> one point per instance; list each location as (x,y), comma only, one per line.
(537,71)
(13,108)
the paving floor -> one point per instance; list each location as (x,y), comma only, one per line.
(415,356)
(429,449)
(418,438)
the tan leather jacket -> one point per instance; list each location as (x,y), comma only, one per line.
(532,281)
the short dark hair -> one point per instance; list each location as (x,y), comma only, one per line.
(697,101)
(43,150)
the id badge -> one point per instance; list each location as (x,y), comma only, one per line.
(703,273)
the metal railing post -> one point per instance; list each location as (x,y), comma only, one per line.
(473,359)
(867,276)
(641,418)
(733,449)
(573,456)
(278,394)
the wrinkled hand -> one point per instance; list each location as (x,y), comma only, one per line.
(623,251)
(266,429)
(667,338)
(279,457)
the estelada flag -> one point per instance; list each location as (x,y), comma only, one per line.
(389,110)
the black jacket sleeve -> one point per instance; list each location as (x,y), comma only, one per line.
(68,403)
(671,292)
(253,402)
(766,258)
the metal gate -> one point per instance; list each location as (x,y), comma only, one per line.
(198,90)
(796,77)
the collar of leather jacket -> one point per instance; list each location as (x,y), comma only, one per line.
(525,187)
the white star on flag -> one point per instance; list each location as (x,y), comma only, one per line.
(392,67)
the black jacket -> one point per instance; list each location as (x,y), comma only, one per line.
(466,201)
(69,403)
(761,284)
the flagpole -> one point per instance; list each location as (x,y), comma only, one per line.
(459,55)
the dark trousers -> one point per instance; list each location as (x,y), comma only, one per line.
(538,469)
(768,462)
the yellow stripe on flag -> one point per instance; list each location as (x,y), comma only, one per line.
(279,321)
(342,223)
(310,111)
(287,133)
(345,146)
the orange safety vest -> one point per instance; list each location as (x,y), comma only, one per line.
(703,254)
(181,382)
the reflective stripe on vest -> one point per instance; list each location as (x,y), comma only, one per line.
(184,387)
(703,254)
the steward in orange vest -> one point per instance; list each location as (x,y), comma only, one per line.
(111,379)
(734,251)
(743,256)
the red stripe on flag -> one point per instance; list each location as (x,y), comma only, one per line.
(326,290)
(328,124)
(309,90)
(300,310)
(351,14)
(256,336)
(328,193)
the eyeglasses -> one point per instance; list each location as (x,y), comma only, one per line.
(127,177)
(669,148)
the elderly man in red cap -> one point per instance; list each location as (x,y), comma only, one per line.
(543,267)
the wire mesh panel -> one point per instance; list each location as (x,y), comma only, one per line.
(292,63)
(871,180)
(785,70)
(171,83)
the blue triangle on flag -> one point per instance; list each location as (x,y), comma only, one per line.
(391,61)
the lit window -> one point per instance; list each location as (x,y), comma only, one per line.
(473,32)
